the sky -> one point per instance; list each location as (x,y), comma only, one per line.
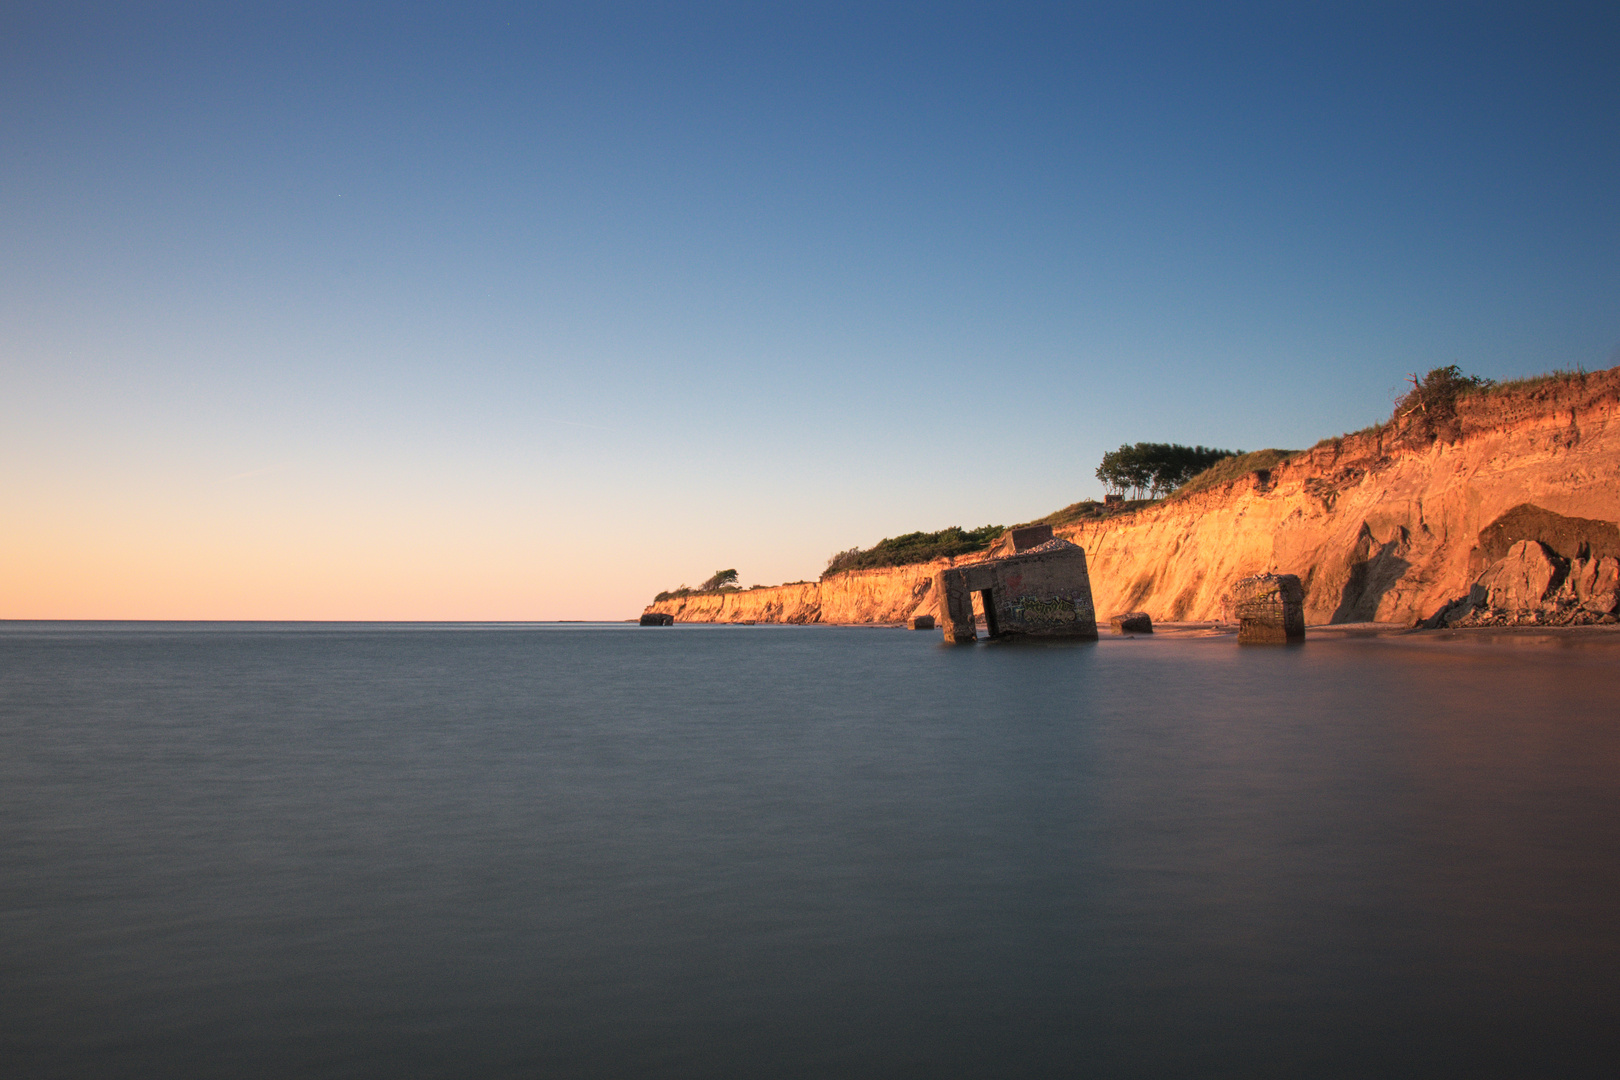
(528,311)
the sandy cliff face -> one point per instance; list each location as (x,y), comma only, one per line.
(1391,526)
(861,596)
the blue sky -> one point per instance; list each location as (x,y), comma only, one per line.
(527,311)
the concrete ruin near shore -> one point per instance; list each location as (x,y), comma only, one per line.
(1269,608)
(1041,590)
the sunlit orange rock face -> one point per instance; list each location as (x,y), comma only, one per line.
(1384,526)
(1390,526)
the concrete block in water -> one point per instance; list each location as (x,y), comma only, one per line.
(1269,608)
(922,622)
(657,618)
(1132,622)
(1040,592)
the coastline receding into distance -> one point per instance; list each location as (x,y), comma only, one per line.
(1495,507)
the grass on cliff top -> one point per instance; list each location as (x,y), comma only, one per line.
(916,547)
(1334,440)
(683,592)
(1087,510)
(1232,468)
(1531,382)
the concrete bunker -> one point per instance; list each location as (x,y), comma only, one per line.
(1270,609)
(1040,590)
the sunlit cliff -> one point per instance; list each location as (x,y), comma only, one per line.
(1389,525)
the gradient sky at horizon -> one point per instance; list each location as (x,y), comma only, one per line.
(528,311)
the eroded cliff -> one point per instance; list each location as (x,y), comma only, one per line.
(888,595)
(1391,525)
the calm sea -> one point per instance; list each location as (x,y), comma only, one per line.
(399,851)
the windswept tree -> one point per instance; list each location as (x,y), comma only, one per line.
(1438,391)
(721,579)
(1156,469)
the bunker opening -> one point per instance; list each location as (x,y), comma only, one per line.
(987,600)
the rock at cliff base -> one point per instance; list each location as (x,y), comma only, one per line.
(1132,622)
(657,618)
(1518,582)
(1534,586)
(1270,609)
(922,622)
(1597,586)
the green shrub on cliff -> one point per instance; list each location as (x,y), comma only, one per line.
(1437,393)
(916,547)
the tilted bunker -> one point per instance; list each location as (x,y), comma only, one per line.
(1040,590)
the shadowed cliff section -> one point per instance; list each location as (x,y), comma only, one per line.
(1390,524)
(1572,537)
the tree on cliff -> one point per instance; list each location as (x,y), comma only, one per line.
(1156,469)
(721,579)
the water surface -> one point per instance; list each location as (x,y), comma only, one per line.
(606,851)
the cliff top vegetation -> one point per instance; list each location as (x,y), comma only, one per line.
(1088,510)
(1155,469)
(1233,468)
(915,547)
(723,581)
